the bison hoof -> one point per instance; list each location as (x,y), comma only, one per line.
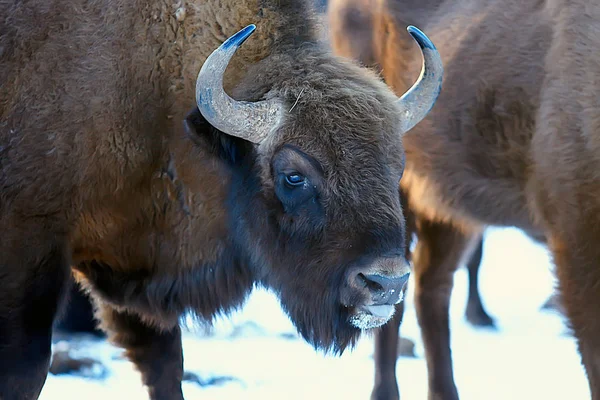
(449,394)
(478,318)
(406,348)
(385,391)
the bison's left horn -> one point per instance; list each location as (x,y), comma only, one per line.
(252,121)
(420,98)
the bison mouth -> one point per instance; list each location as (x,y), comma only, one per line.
(373,315)
(372,302)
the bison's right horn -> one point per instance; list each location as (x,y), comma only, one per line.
(421,97)
(252,121)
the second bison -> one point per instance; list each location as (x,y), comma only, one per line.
(514,140)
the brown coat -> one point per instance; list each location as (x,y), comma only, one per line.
(512,141)
(107,165)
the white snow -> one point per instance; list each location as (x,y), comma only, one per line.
(531,356)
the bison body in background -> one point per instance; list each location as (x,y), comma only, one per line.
(514,140)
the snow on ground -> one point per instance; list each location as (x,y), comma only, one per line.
(531,356)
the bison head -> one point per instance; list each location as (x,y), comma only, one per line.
(314,202)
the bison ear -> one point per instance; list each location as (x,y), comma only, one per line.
(229,148)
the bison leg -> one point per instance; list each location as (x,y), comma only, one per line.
(438,253)
(475,312)
(386,338)
(577,257)
(156,353)
(386,354)
(32,285)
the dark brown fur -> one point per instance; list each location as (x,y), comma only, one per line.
(512,141)
(104,167)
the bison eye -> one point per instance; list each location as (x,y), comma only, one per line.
(295,180)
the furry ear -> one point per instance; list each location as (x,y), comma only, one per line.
(229,148)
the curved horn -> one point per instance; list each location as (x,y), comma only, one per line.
(252,121)
(420,98)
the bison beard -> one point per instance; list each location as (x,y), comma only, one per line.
(321,320)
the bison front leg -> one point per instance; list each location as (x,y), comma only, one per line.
(34,273)
(386,338)
(156,353)
(437,255)
(386,354)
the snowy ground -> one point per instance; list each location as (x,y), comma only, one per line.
(531,356)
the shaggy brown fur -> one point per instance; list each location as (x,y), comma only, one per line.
(512,141)
(104,167)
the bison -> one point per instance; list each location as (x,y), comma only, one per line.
(513,141)
(164,189)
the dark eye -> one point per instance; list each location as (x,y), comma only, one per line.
(294,179)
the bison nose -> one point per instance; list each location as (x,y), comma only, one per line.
(384,289)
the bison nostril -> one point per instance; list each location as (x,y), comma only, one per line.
(371,284)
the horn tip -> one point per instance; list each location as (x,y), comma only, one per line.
(238,38)
(421,38)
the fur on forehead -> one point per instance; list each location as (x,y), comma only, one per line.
(332,106)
